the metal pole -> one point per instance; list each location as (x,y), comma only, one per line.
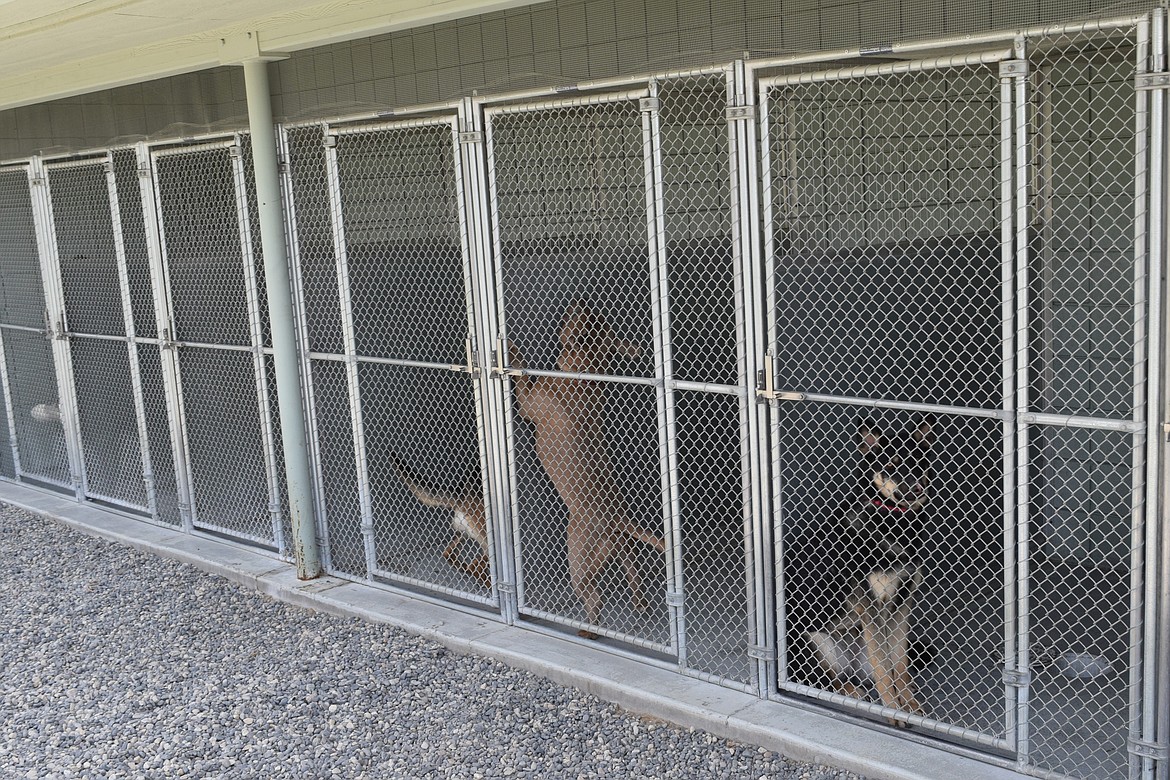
(266,169)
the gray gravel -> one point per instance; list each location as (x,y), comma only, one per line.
(118,664)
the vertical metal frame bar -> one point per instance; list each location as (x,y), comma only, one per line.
(252,289)
(333,176)
(300,313)
(1148,330)
(1022,406)
(57,324)
(468,171)
(508,452)
(770,428)
(664,372)
(1008,385)
(168,356)
(131,338)
(745,203)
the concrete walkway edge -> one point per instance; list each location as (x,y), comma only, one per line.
(638,687)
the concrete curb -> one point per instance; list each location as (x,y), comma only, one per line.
(792,731)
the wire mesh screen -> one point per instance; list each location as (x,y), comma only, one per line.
(205,259)
(7,459)
(387,196)
(33,389)
(884,220)
(133,225)
(91,281)
(225,441)
(570,196)
(215,290)
(1081,481)
(892,539)
(158,435)
(31,376)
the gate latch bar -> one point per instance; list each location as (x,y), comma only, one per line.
(1149,81)
(1013,69)
(1153,750)
(741,113)
(1017,678)
(761,653)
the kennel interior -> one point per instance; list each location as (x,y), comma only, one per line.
(773,250)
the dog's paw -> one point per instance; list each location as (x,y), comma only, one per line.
(587,634)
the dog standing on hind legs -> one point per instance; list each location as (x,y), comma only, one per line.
(870,640)
(567,415)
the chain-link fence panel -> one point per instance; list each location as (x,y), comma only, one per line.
(882,230)
(579,298)
(384,274)
(892,540)
(1085,131)
(214,284)
(32,387)
(96,294)
(29,368)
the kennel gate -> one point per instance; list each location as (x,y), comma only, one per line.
(625,200)
(922,257)
(86,244)
(215,332)
(383,263)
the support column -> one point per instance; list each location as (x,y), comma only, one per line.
(245,50)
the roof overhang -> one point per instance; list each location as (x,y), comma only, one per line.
(52,49)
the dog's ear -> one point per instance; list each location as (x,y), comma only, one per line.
(923,433)
(869,438)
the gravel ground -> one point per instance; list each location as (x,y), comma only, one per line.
(118,664)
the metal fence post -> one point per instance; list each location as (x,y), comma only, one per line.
(266,169)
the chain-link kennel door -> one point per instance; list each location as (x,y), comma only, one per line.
(956,329)
(886,282)
(385,271)
(580,304)
(37,447)
(217,327)
(88,246)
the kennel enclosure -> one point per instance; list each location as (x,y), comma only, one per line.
(967,230)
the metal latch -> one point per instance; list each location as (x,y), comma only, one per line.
(471,137)
(472,358)
(1148,81)
(1013,69)
(761,653)
(506,587)
(1166,431)
(675,598)
(1017,678)
(329,141)
(144,171)
(1152,750)
(740,113)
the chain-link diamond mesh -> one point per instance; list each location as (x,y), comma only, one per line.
(1079,593)
(126,181)
(158,434)
(569,188)
(399,205)
(33,388)
(7,460)
(316,257)
(696,190)
(1082,274)
(339,477)
(88,256)
(201,230)
(1083,118)
(31,374)
(225,442)
(426,485)
(884,234)
(921,571)
(23,293)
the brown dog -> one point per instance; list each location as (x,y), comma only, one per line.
(469,517)
(567,415)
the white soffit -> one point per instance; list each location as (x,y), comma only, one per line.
(52,49)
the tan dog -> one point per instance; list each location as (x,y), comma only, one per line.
(567,415)
(469,516)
